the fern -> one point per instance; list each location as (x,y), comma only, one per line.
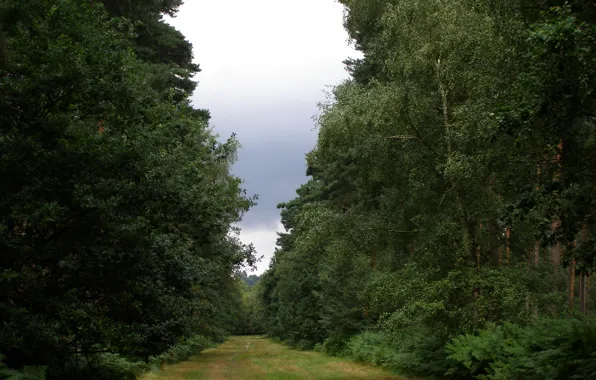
(550,349)
(28,373)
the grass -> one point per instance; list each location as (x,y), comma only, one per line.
(253,357)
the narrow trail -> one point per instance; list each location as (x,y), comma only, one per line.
(253,357)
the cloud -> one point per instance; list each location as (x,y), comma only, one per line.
(265,65)
(263,238)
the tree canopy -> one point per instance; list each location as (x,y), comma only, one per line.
(116,199)
(451,189)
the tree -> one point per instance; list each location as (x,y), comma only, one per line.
(116,198)
(447,172)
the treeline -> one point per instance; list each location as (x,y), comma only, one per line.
(248,320)
(116,199)
(448,225)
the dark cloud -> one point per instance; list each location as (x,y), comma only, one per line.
(263,74)
(271,161)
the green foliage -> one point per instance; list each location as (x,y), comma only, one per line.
(452,185)
(421,355)
(27,373)
(117,200)
(249,320)
(548,349)
(182,350)
(368,347)
(251,280)
(107,366)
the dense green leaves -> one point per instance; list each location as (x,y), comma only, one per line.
(452,181)
(116,198)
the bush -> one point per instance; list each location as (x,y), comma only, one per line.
(547,350)
(368,347)
(334,345)
(414,356)
(28,373)
(182,351)
(104,366)
(112,367)
(421,355)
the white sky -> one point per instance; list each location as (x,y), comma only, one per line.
(265,64)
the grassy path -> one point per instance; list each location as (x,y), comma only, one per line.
(248,358)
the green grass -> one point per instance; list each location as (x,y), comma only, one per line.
(253,357)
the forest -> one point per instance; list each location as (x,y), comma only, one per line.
(117,206)
(447,229)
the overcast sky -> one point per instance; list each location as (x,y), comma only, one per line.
(265,64)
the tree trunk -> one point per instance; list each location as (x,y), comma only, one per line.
(495,244)
(508,249)
(555,252)
(582,293)
(466,236)
(587,294)
(572,284)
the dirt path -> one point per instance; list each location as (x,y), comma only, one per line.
(248,358)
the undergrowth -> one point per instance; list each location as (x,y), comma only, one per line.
(110,366)
(549,349)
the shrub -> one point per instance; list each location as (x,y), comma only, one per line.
(368,347)
(112,367)
(549,349)
(334,345)
(27,373)
(416,355)
(421,355)
(182,351)
(104,366)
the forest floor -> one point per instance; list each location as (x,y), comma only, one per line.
(254,357)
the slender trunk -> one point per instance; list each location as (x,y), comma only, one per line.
(572,284)
(478,253)
(466,241)
(508,249)
(587,294)
(582,293)
(584,279)
(373,259)
(555,252)
(537,245)
(468,247)
(495,244)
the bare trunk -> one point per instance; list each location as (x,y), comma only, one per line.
(556,251)
(495,244)
(582,293)
(508,249)
(537,245)
(587,293)
(572,284)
